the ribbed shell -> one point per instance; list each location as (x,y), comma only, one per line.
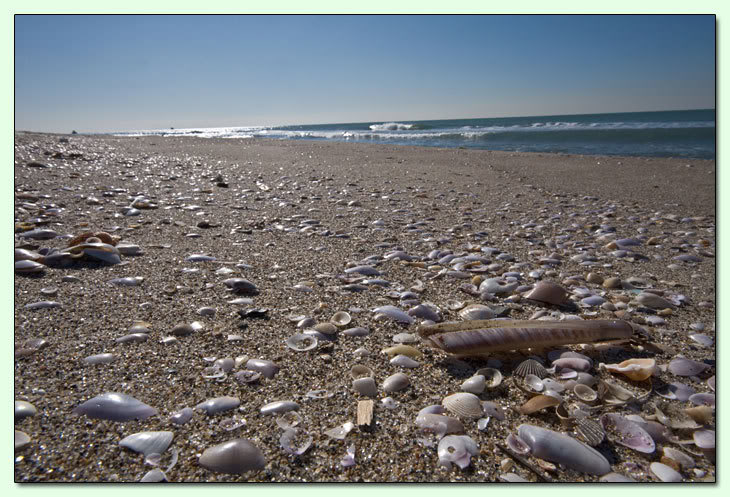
(464,405)
(590,431)
(530,366)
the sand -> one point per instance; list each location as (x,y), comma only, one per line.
(426,199)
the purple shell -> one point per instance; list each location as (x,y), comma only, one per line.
(681,366)
(517,444)
(234,457)
(676,390)
(182,416)
(457,449)
(562,449)
(628,433)
(703,399)
(115,407)
(219,404)
(267,368)
(592,301)
(574,363)
(704,439)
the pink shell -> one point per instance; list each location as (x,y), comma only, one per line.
(628,433)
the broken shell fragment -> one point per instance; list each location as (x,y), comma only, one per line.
(634,369)
(457,449)
(530,367)
(562,449)
(148,442)
(628,433)
(538,403)
(295,441)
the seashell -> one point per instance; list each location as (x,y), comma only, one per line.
(153,476)
(199,258)
(246,301)
(241,286)
(396,382)
(481,337)
(27,255)
(704,439)
(218,404)
(530,367)
(464,405)
(361,371)
(439,424)
(552,387)
(591,431)
(295,441)
(634,369)
(665,473)
(402,349)
(42,305)
(325,328)
(702,339)
(267,368)
(169,340)
(182,329)
(22,440)
(574,363)
(517,444)
(585,393)
(301,342)
(476,384)
(289,419)
(206,311)
(534,383)
(364,270)
(132,338)
(628,433)
(424,311)
(340,319)
(592,301)
(129,249)
(493,410)
(24,410)
(233,457)
(182,416)
(476,311)
(685,461)
(148,442)
(349,458)
(703,399)
(99,251)
(394,313)
(681,366)
(115,407)
(611,393)
(99,359)
(130,281)
(247,376)
(548,292)
(538,403)
(616,478)
(29,267)
(496,286)
(358,331)
(405,338)
(361,352)
(711,382)
(703,414)
(404,361)
(389,402)
(365,386)
(654,301)
(278,407)
(492,377)
(562,449)
(340,432)
(676,390)
(457,449)
(39,234)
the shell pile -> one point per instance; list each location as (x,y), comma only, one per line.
(263,311)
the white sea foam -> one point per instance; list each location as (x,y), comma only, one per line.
(391,127)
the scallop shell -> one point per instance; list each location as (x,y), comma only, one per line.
(530,366)
(634,369)
(234,457)
(115,407)
(464,405)
(341,319)
(547,292)
(591,431)
(476,311)
(396,382)
(148,442)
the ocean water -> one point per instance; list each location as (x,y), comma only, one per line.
(687,133)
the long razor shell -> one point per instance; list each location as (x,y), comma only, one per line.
(480,337)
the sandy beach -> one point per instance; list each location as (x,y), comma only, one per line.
(291,217)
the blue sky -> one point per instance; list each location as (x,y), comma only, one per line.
(114,73)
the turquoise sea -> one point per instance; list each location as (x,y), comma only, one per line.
(686,133)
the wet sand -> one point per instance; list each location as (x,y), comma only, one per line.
(362,200)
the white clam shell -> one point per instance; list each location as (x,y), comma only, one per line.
(665,473)
(148,442)
(404,361)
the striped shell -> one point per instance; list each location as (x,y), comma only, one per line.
(590,431)
(464,405)
(530,366)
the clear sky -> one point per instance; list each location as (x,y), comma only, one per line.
(115,73)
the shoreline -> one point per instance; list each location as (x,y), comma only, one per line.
(363,200)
